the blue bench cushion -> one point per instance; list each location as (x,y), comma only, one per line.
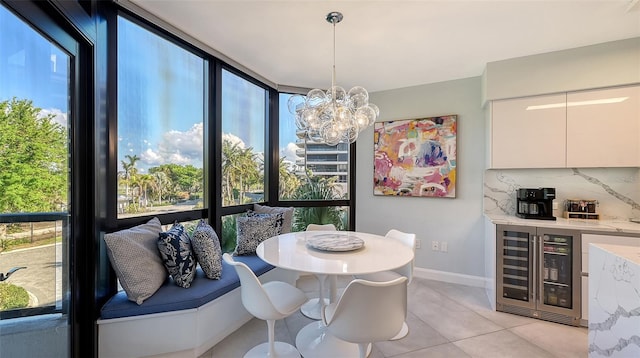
(171,297)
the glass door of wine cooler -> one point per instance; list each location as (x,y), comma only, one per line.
(538,272)
(515,274)
(559,282)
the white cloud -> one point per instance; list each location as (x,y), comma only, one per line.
(289,152)
(176,147)
(234,139)
(58,116)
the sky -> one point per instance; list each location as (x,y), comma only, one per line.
(160,101)
(35,69)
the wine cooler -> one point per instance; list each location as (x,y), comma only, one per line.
(538,273)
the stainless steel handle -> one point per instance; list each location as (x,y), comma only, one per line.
(534,274)
(539,274)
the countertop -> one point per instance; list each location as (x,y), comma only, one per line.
(604,226)
(629,253)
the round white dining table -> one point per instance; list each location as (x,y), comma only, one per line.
(293,251)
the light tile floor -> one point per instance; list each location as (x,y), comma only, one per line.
(445,320)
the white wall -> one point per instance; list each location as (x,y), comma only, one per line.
(458,221)
(613,63)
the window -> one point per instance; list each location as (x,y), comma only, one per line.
(244,119)
(308,165)
(36,98)
(161,112)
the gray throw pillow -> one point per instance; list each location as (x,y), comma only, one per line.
(287,215)
(135,259)
(176,253)
(252,230)
(206,247)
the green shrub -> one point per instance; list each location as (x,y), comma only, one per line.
(228,239)
(12,297)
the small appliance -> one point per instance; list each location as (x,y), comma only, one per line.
(580,209)
(535,203)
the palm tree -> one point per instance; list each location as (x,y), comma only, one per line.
(239,171)
(129,170)
(288,182)
(230,154)
(159,182)
(317,188)
(247,172)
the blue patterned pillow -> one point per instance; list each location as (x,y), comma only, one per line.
(252,230)
(175,250)
(206,247)
(287,214)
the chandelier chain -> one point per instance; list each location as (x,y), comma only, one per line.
(333,116)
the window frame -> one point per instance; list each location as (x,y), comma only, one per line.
(213,210)
(113,222)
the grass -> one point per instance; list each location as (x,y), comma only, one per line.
(16,244)
(12,297)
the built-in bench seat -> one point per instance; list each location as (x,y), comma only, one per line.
(180,322)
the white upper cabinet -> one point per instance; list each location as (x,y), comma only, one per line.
(529,132)
(603,128)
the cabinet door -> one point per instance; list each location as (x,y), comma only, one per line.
(603,128)
(529,132)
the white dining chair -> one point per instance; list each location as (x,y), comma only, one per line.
(270,301)
(321,227)
(312,308)
(368,312)
(409,240)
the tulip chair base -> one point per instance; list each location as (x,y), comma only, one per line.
(312,308)
(403,332)
(282,350)
(314,341)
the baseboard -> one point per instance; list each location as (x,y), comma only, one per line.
(451,277)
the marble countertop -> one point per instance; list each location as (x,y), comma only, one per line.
(605,226)
(630,253)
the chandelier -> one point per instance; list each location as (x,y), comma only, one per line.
(335,115)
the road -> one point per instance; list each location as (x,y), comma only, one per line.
(43,276)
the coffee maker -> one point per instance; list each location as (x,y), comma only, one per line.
(536,203)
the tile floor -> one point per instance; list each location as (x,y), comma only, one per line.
(445,320)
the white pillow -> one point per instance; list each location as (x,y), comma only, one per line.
(135,258)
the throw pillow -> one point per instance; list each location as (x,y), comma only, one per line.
(252,230)
(287,214)
(134,257)
(175,250)
(206,247)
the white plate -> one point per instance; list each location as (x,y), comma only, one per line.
(335,242)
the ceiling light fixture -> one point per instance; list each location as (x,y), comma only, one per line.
(333,116)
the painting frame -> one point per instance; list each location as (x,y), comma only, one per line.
(416,157)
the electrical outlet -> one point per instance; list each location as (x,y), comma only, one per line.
(418,243)
(555,206)
(434,245)
(444,247)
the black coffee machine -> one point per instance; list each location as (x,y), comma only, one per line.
(536,203)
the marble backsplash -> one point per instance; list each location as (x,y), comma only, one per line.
(617,190)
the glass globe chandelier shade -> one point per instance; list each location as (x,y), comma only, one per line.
(335,115)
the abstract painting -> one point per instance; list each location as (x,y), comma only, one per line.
(415,157)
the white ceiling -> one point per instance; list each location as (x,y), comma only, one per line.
(392,44)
